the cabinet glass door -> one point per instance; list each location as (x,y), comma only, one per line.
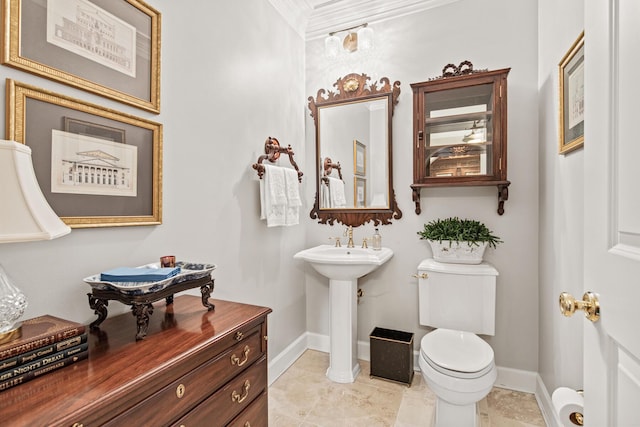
(458,132)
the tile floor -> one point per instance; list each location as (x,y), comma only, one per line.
(304,397)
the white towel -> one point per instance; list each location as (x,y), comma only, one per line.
(291,185)
(273,198)
(292,213)
(324,194)
(336,193)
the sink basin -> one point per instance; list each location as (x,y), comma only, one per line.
(344,263)
(343,266)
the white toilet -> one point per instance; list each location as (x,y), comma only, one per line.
(458,366)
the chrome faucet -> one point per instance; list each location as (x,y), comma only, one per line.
(349,234)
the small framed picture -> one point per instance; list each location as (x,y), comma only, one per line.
(359,192)
(359,158)
(571,73)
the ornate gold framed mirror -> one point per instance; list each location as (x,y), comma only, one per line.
(354,176)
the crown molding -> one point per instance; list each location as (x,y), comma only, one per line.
(295,12)
(316,18)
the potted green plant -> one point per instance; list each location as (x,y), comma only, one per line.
(460,241)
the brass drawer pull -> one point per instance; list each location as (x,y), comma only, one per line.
(82,425)
(239,336)
(235,397)
(180,391)
(247,424)
(235,360)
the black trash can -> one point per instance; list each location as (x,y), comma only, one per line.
(392,355)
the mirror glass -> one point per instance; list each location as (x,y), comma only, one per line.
(354,177)
(354,136)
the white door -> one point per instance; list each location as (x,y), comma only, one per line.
(612,212)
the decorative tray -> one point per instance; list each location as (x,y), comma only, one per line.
(188,271)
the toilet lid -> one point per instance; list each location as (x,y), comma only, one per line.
(457,350)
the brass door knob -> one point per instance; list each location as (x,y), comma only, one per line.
(589,304)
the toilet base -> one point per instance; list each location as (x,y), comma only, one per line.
(449,415)
(466,393)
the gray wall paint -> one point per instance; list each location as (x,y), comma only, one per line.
(232,74)
(412,49)
(561,205)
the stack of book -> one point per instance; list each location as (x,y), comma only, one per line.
(47,343)
(139,274)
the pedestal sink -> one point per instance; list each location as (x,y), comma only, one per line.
(343,266)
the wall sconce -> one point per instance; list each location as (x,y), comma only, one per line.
(354,40)
(25,216)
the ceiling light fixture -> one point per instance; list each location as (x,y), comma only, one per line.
(354,40)
(476,134)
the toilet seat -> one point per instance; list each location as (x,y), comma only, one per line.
(457,354)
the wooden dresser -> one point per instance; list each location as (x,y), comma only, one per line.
(194,368)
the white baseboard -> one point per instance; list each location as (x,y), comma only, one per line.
(545,403)
(318,342)
(287,357)
(512,379)
(516,379)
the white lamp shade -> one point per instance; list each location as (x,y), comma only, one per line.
(332,46)
(25,214)
(365,39)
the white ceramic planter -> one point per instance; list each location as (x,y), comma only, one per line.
(457,252)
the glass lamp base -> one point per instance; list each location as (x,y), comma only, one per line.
(14,333)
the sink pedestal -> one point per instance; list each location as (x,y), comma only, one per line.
(343,267)
(343,365)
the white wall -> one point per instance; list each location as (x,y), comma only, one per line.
(491,34)
(232,74)
(561,205)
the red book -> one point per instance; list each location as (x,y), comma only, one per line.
(39,332)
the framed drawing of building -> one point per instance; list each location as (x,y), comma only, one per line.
(90,175)
(359,192)
(108,47)
(359,158)
(571,74)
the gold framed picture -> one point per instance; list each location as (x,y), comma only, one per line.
(108,47)
(359,192)
(88,173)
(571,74)
(359,158)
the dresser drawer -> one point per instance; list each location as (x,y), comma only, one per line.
(229,401)
(181,395)
(256,414)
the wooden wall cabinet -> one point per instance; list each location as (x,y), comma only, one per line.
(194,368)
(460,132)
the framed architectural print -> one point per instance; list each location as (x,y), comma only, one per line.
(91,175)
(571,71)
(108,47)
(359,158)
(359,192)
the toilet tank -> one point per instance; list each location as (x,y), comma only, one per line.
(458,296)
